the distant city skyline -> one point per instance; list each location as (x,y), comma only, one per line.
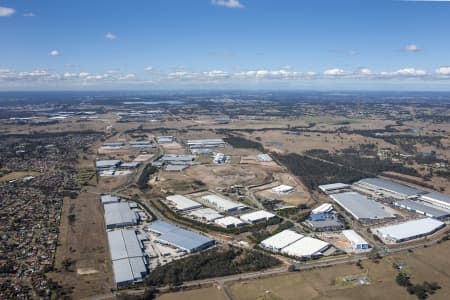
(225,44)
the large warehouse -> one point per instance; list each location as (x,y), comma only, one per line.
(437,199)
(182,203)
(409,230)
(306,247)
(205,214)
(355,239)
(223,204)
(424,208)
(180,238)
(257,216)
(333,187)
(205,143)
(229,222)
(107,164)
(119,214)
(281,240)
(388,188)
(361,207)
(127,257)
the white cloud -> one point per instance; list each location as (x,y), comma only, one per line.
(443,70)
(335,72)
(6,11)
(83,74)
(148,69)
(29,14)
(268,74)
(411,48)
(55,53)
(228,3)
(216,74)
(110,36)
(410,72)
(127,77)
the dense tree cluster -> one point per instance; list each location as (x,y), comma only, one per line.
(142,181)
(210,264)
(353,158)
(314,172)
(422,291)
(239,142)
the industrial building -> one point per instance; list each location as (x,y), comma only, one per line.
(107,164)
(229,222)
(182,203)
(257,216)
(409,230)
(141,144)
(223,204)
(281,240)
(424,208)
(307,247)
(165,139)
(334,187)
(128,261)
(358,243)
(388,188)
(283,189)
(219,158)
(180,238)
(323,208)
(130,165)
(107,199)
(205,143)
(264,157)
(119,214)
(437,199)
(324,222)
(205,214)
(361,207)
(177,158)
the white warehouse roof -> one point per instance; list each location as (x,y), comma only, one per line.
(410,230)
(223,203)
(229,222)
(283,189)
(436,198)
(257,216)
(354,238)
(333,186)
(306,246)
(207,214)
(280,240)
(361,207)
(323,208)
(182,203)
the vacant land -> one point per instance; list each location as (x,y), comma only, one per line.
(82,256)
(17,175)
(210,293)
(424,264)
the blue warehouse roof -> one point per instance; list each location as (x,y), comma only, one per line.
(179,237)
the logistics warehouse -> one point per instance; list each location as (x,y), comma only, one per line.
(180,238)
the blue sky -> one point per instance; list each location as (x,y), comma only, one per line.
(225,44)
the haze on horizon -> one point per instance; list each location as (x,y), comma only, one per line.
(225,44)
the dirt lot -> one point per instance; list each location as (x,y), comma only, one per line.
(303,142)
(214,176)
(210,293)
(84,242)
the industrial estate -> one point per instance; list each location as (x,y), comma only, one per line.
(181,198)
